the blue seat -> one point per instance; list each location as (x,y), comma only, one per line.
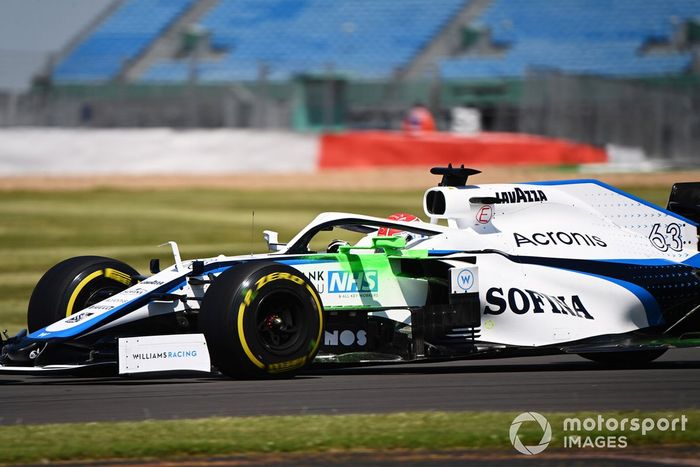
(364,38)
(602,37)
(119,39)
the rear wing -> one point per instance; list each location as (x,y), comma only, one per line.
(685,200)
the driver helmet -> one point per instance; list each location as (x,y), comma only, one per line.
(402,217)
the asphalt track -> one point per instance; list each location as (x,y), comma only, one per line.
(557,383)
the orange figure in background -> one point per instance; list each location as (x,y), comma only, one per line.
(418,119)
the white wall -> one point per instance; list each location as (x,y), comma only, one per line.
(67,152)
(32,30)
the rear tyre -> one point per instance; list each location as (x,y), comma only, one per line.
(630,358)
(74,284)
(261,320)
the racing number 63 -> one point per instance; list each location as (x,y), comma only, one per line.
(672,238)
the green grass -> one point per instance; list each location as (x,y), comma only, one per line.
(308,433)
(39,229)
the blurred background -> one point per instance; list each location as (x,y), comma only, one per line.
(616,73)
(128,123)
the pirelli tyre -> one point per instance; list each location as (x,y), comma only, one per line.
(261,320)
(625,359)
(74,284)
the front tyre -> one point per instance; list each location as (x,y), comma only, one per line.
(74,284)
(261,320)
(625,359)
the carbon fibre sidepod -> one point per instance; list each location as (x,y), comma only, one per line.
(449,322)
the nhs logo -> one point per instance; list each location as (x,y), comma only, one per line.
(352,282)
(464,280)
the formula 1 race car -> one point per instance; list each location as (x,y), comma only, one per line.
(499,270)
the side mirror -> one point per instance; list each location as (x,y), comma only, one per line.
(389,243)
(154,266)
(272,239)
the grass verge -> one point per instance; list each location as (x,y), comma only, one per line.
(40,228)
(309,433)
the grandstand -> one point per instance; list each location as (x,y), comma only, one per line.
(34,34)
(322,64)
(364,38)
(600,37)
(376,39)
(119,40)
(108,40)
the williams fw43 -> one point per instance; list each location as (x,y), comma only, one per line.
(493,271)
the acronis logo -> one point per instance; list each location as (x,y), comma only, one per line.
(352,282)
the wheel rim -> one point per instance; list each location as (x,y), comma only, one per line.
(96,291)
(101,293)
(280,322)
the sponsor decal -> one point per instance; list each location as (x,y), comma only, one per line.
(277,276)
(521,196)
(165,355)
(116,300)
(346,338)
(101,307)
(558,238)
(78,317)
(353,282)
(484,214)
(318,279)
(152,282)
(465,279)
(136,291)
(668,238)
(526,301)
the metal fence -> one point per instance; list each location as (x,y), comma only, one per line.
(150,106)
(308,103)
(661,118)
